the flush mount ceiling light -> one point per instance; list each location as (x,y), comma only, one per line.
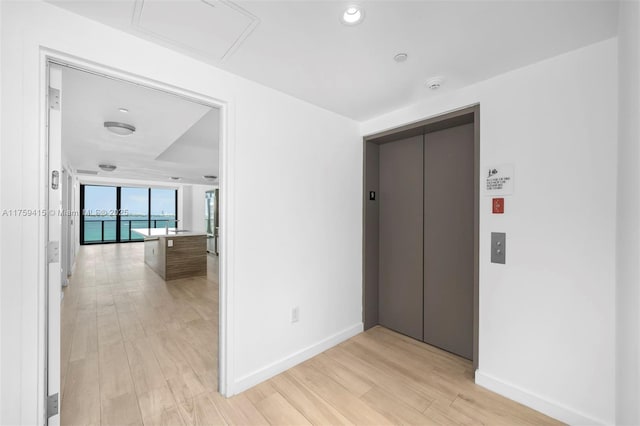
(175,178)
(209,177)
(435,83)
(121,129)
(353,15)
(123,110)
(107,167)
(400,57)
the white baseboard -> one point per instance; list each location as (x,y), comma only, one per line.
(245,382)
(537,402)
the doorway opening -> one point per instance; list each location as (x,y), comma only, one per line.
(127,332)
(421,231)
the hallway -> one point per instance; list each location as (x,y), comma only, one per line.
(138,350)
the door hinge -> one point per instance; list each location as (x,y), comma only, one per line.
(52,405)
(53,252)
(55,179)
(54,98)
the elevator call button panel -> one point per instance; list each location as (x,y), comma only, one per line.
(498,247)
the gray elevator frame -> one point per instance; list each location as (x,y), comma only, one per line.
(466,115)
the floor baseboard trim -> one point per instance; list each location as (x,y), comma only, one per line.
(245,382)
(537,402)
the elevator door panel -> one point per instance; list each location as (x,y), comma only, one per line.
(400,288)
(448,239)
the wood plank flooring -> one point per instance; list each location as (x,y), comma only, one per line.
(138,350)
(135,349)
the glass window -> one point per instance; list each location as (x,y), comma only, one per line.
(99,213)
(163,208)
(101,222)
(134,212)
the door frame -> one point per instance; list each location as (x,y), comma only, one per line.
(70,258)
(226,159)
(457,117)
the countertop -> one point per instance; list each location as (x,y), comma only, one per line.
(162,232)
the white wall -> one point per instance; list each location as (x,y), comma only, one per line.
(547,317)
(628,233)
(280,243)
(193,216)
(185,200)
(1,204)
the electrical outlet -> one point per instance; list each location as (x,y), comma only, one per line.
(170,243)
(295,315)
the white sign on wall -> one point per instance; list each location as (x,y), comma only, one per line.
(498,180)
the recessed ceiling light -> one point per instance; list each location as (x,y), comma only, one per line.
(352,15)
(210,177)
(121,129)
(400,57)
(175,178)
(107,167)
(435,83)
(123,110)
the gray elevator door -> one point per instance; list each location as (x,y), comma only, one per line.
(448,239)
(400,288)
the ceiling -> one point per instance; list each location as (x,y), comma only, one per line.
(301,48)
(173,137)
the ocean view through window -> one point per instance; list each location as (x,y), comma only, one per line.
(111,213)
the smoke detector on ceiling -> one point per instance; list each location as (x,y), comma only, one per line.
(400,57)
(435,83)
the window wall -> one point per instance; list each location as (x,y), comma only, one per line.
(99,210)
(110,214)
(134,212)
(163,207)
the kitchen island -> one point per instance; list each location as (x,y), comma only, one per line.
(175,253)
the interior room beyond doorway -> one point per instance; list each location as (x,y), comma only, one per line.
(138,160)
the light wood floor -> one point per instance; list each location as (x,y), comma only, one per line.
(138,350)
